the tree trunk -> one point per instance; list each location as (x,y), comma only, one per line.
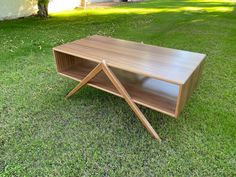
(43,10)
(84,3)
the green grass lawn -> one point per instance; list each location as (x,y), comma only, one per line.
(95,133)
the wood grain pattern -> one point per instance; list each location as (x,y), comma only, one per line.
(63,61)
(87,78)
(186,90)
(170,65)
(145,92)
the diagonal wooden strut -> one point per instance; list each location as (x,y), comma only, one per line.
(90,76)
(103,66)
(129,100)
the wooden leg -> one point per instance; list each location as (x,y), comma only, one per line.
(91,75)
(103,66)
(128,99)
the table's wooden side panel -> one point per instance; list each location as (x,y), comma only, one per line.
(187,89)
(63,62)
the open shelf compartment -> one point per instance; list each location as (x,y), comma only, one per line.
(149,92)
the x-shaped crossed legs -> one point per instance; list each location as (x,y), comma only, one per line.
(103,66)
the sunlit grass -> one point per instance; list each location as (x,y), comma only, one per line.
(130,10)
(212,1)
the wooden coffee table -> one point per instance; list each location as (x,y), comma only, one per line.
(159,78)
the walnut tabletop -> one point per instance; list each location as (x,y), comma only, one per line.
(171,65)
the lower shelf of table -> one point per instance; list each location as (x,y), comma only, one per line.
(155,94)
